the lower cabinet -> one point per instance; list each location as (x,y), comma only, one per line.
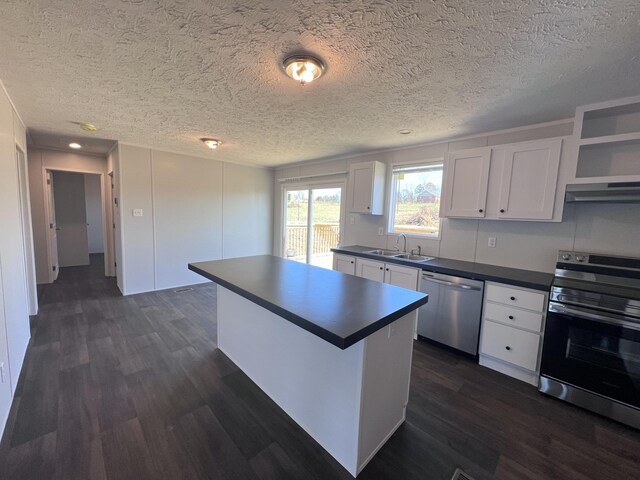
(512,329)
(405,277)
(344,263)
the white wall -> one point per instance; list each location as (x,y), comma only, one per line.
(14,319)
(193,208)
(39,160)
(600,228)
(93,204)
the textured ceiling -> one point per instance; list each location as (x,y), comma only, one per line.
(165,73)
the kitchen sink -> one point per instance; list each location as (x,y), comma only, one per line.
(384,253)
(395,254)
(413,258)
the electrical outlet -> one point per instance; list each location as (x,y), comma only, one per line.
(137,212)
(492,242)
(352,219)
(380,231)
(392,329)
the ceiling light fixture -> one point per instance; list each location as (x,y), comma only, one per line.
(212,143)
(88,127)
(303,68)
(75,145)
(405,131)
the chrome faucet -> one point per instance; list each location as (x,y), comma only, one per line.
(413,252)
(405,242)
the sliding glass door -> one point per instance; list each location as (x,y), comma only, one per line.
(312,225)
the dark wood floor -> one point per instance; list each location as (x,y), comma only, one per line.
(133,388)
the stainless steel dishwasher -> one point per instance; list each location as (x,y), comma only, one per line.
(452,315)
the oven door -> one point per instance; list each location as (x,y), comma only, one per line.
(596,351)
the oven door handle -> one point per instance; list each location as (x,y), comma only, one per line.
(595,317)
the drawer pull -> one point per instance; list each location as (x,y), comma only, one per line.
(513,299)
(508,347)
(380,268)
(510,317)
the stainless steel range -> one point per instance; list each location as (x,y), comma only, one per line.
(591,350)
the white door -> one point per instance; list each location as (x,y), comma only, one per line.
(370,269)
(71,219)
(466,181)
(404,277)
(344,264)
(529,179)
(52,245)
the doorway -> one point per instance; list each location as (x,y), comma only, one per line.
(75,217)
(312,224)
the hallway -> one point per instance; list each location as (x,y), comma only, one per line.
(134,388)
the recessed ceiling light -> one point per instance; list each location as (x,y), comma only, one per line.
(303,68)
(405,131)
(75,145)
(212,143)
(88,127)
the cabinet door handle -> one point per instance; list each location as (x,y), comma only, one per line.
(387,269)
(508,347)
(502,210)
(380,268)
(352,261)
(481,210)
(368,208)
(510,317)
(513,299)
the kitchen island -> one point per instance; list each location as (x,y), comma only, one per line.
(332,350)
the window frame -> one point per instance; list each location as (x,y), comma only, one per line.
(393,194)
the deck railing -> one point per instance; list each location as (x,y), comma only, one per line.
(325,237)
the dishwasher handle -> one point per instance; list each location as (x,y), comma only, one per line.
(462,286)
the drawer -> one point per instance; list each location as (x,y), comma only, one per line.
(513,316)
(510,344)
(515,296)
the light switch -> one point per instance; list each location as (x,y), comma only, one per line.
(137,212)
(352,219)
(380,231)
(492,242)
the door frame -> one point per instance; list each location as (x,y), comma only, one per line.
(342,184)
(105,200)
(24,199)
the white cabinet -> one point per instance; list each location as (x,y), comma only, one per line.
(512,329)
(508,182)
(405,277)
(608,137)
(366,188)
(344,263)
(370,269)
(466,182)
(529,180)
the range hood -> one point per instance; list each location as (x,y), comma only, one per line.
(621,192)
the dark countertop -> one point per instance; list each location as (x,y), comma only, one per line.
(339,308)
(459,268)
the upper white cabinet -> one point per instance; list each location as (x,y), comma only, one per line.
(608,137)
(507,182)
(366,187)
(466,182)
(529,180)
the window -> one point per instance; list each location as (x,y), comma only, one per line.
(312,228)
(415,199)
